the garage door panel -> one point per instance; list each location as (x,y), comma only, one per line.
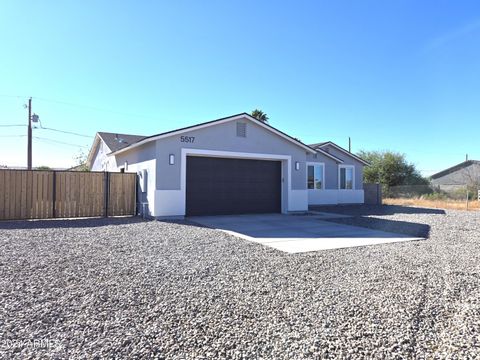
(232,186)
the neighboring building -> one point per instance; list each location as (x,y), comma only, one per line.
(232,165)
(458,177)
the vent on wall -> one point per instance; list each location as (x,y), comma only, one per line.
(241,129)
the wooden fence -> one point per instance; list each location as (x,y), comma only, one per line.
(37,194)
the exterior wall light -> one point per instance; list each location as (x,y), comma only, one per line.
(297,165)
(171,159)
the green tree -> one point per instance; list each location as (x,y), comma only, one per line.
(260,115)
(390,169)
(43,167)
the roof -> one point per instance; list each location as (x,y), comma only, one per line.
(215,122)
(113,141)
(320,145)
(455,168)
(119,141)
(337,159)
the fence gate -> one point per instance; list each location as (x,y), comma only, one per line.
(36,194)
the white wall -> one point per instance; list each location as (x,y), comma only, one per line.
(351,196)
(334,197)
(102,162)
(147,196)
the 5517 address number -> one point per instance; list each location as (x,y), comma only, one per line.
(187,139)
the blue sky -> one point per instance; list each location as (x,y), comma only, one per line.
(396,75)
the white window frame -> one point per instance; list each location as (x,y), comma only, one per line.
(353,176)
(323,175)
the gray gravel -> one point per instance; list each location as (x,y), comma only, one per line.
(125,288)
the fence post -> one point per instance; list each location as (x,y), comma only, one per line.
(135,209)
(106,186)
(468,194)
(54,196)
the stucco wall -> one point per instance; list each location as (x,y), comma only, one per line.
(101,162)
(142,153)
(223,137)
(331,170)
(347,160)
(142,158)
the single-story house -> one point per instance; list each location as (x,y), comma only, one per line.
(232,165)
(458,176)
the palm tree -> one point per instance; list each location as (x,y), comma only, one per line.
(260,115)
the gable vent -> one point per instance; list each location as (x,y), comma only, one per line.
(241,129)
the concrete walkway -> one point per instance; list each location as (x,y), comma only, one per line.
(298,233)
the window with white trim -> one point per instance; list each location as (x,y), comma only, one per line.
(315,176)
(346,175)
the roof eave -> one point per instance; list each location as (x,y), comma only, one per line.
(95,144)
(211,123)
(346,152)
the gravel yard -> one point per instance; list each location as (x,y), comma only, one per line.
(126,288)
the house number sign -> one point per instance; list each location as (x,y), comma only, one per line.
(187,139)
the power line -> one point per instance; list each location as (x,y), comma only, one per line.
(12,96)
(88,107)
(93,108)
(12,125)
(6,136)
(58,142)
(65,132)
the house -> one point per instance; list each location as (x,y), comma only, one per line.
(104,144)
(458,177)
(232,165)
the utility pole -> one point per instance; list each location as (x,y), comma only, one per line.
(29,135)
(349,144)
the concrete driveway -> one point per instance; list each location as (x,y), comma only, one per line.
(298,233)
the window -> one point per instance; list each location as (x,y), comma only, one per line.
(315,176)
(346,177)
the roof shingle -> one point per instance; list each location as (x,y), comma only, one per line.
(119,141)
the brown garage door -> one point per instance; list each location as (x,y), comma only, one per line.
(218,186)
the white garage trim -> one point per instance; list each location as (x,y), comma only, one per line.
(288,204)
